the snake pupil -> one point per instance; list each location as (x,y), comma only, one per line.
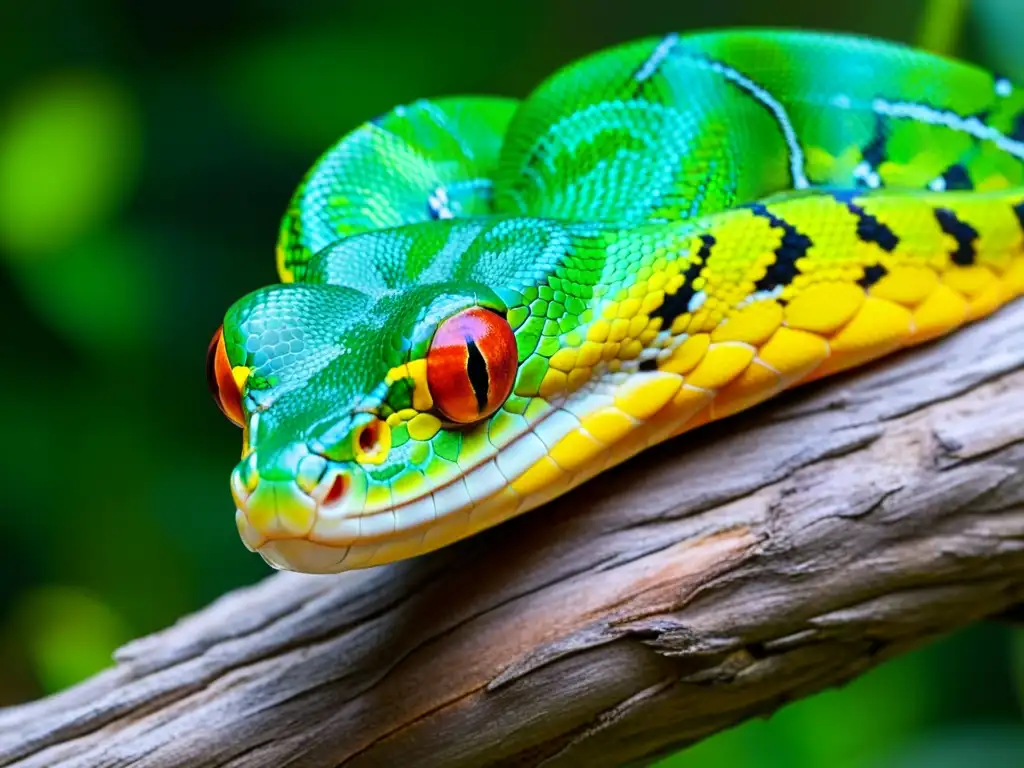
(476,369)
(368,437)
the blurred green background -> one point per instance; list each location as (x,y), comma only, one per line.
(146,154)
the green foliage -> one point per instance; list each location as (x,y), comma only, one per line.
(70,634)
(1018,663)
(941,25)
(277,84)
(998,24)
(69,154)
(99,292)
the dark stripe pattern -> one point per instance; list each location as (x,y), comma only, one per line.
(794,246)
(678,303)
(964,234)
(869,229)
(872,275)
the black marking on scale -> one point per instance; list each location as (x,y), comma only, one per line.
(794,246)
(678,303)
(964,234)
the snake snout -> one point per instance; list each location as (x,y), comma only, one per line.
(280,496)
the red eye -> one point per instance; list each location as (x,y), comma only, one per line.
(221,382)
(471,365)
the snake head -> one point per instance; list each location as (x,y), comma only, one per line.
(364,415)
(421,384)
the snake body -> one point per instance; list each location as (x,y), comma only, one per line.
(487,302)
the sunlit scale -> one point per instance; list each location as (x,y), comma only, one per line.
(426,381)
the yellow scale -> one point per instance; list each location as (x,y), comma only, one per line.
(735,355)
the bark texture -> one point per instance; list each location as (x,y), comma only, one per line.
(717,577)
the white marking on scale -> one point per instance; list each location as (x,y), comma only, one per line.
(663,339)
(379,524)
(696,301)
(438,202)
(672,345)
(796,154)
(938,184)
(658,55)
(864,172)
(648,353)
(841,100)
(969,125)
(771,293)
(1003,87)
(471,185)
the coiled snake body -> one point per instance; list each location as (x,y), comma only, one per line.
(487,302)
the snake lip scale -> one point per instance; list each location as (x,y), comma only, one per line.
(485,302)
(368,543)
(319,492)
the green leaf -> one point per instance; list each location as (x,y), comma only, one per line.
(981,745)
(101,293)
(999,23)
(1017,654)
(304,87)
(71,634)
(69,156)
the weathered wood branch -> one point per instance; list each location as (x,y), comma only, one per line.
(735,569)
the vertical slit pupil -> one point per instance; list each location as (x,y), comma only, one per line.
(476,369)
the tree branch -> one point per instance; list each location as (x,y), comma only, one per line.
(717,577)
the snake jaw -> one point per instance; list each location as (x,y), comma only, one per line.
(329,516)
(301,491)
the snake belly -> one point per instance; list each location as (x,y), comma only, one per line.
(483,302)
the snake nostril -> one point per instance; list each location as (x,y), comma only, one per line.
(337,489)
(368,437)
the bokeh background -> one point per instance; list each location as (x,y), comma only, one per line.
(147,151)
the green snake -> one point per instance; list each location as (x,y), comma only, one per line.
(486,302)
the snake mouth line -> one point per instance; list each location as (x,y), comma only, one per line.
(449,522)
(461,477)
(474,499)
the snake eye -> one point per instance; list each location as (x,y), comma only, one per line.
(221,381)
(471,364)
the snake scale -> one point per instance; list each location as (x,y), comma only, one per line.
(486,302)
